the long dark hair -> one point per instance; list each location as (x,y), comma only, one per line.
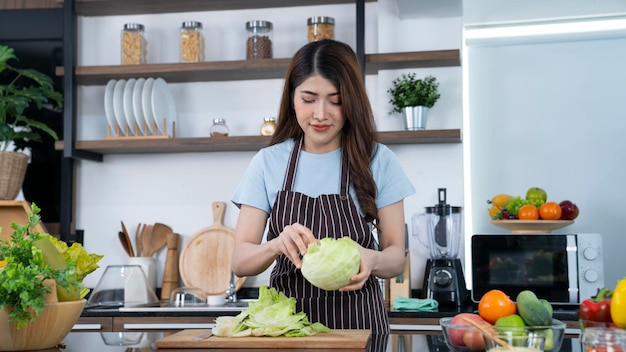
(336,62)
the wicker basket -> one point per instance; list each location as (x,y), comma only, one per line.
(12,172)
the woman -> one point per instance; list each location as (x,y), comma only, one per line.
(324,175)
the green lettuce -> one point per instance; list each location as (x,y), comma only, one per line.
(273,314)
(330,264)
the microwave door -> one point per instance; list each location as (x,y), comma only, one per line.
(572,269)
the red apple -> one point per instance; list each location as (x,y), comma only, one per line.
(456,334)
(569,210)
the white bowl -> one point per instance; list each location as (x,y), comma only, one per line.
(215,300)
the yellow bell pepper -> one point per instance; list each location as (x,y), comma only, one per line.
(618,304)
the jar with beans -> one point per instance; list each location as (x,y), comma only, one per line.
(133,44)
(259,43)
(191,42)
(321,27)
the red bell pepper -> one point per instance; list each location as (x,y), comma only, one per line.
(598,307)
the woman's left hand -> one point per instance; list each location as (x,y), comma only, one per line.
(365,270)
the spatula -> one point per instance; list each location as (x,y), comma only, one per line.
(146,240)
(139,239)
(126,242)
(159,236)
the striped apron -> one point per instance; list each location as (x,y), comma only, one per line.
(328,215)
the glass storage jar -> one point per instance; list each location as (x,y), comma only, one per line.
(191,42)
(133,44)
(219,128)
(601,339)
(321,27)
(268,127)
(259,42)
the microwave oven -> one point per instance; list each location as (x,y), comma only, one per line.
(561,268)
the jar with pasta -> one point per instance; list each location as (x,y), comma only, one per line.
(321,27)
(134,44)
(191,42)
(259,43)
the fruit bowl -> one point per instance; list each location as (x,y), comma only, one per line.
(554,334)
(453,335)
(531,226)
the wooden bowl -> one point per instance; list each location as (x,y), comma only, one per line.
(46,331)
(532,226)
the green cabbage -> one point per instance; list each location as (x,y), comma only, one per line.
(330,264)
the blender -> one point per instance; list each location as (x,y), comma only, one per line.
(441,224)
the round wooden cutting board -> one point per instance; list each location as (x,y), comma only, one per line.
(205,261)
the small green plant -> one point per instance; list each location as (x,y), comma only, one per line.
(409,91)
(25,88)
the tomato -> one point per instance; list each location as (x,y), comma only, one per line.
(495,304)
(550,211)
(528,212)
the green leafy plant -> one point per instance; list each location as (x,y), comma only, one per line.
(23,270)
(25,88)
(407,91)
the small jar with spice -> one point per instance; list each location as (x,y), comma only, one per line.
(259,42)
(268,127)
(134,44)
(191,42)
(219,128)
(321,27)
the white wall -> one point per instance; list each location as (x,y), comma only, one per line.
(178,189)
(550,113)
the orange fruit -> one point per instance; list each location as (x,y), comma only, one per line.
(528,212)
(550,211)
(495,304)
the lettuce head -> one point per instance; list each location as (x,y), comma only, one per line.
(330,264)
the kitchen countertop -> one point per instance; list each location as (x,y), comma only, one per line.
(396,342)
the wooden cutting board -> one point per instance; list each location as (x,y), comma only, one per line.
(205,261)
(335,339)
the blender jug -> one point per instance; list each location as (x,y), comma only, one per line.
(441,225)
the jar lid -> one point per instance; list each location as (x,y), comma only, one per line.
(192,24)
(133,26)
(269,119)
(320,19)
(219,121)
(266,25)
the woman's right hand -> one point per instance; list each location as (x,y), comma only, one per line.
(293,242)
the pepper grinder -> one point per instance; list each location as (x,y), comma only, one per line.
(170,272)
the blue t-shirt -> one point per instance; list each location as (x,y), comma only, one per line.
(316,174)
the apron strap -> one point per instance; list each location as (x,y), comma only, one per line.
(290,176)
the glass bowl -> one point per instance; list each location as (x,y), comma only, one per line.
(453,335)
(554,333)
(122,286)
(188,297)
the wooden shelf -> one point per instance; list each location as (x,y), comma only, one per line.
(134,7)
(240,143)
(251,69)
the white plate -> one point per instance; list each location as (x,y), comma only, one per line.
(129,114)
(118,105)
(146,105)
(137,108)
(108,105)
(163,105)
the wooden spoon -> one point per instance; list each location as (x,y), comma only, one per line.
(126,244)
(139,239)
(146,240)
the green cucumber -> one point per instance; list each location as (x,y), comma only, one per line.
(532,310)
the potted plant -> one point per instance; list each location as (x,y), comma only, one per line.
(20,90)
(41,287)
(413,97)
